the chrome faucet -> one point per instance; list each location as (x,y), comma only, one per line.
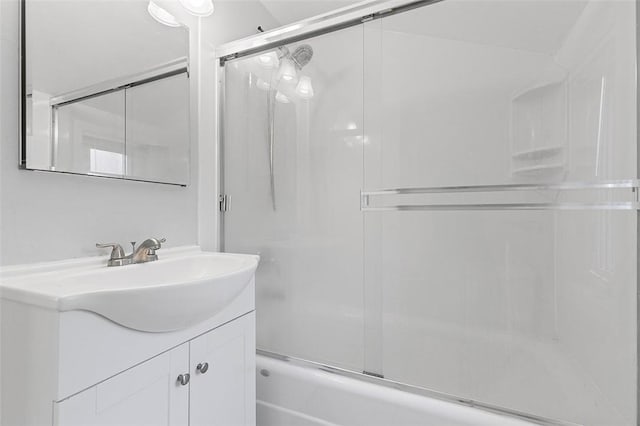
(146,252)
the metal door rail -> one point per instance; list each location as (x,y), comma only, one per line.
(629,184)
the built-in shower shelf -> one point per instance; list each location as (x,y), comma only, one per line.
(538,153)
(551,168)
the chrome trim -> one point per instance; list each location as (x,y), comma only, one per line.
(223,203)
(506,206)
(183,379)
(564,186)
(55,133)
(369,373)
(202,367)
(637,280)
(328,22)
(129,179)
(222,76)
(169,69)
(632,184)
(22,112)
(415,390)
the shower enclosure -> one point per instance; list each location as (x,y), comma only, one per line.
(445,195)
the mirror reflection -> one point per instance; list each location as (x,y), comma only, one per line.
(107,90)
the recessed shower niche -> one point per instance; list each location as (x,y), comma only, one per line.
(539,129)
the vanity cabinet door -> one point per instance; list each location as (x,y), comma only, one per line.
(223,375)
(145,395)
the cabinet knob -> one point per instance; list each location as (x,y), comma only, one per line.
(203,367)
(183,379)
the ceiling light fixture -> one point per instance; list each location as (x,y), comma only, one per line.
(161,15)
(201,8)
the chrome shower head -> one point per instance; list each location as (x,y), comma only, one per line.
(302,55)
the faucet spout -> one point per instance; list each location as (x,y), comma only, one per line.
(146,251)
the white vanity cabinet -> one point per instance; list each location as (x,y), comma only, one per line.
(220,389)
(145,395)
(86,345)
(217,397)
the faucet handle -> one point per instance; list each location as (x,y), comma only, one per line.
(116,249)
(162,240)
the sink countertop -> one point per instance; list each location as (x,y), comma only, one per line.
(88,284)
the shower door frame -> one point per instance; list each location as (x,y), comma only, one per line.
(359,14)
(322,24)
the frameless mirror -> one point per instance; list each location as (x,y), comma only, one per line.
(106,90)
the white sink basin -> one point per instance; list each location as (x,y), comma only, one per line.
(181,289)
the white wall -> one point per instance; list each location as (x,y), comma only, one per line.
(50,216)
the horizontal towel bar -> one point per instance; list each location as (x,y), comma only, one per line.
(632,203)
(507,206)
(564,186)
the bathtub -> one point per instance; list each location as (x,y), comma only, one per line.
(291,394)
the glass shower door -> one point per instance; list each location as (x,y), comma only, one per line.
(292,151)
(447,197)
(500,222)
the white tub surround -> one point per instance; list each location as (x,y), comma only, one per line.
(299,393)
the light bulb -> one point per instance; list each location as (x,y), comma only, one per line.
(268,60)
(261,84)
(200,8)
(304,89)
(287,70)
(161,15)
(282,98)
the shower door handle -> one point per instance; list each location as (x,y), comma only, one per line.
(223,203)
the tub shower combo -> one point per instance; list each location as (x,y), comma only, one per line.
(444,196)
